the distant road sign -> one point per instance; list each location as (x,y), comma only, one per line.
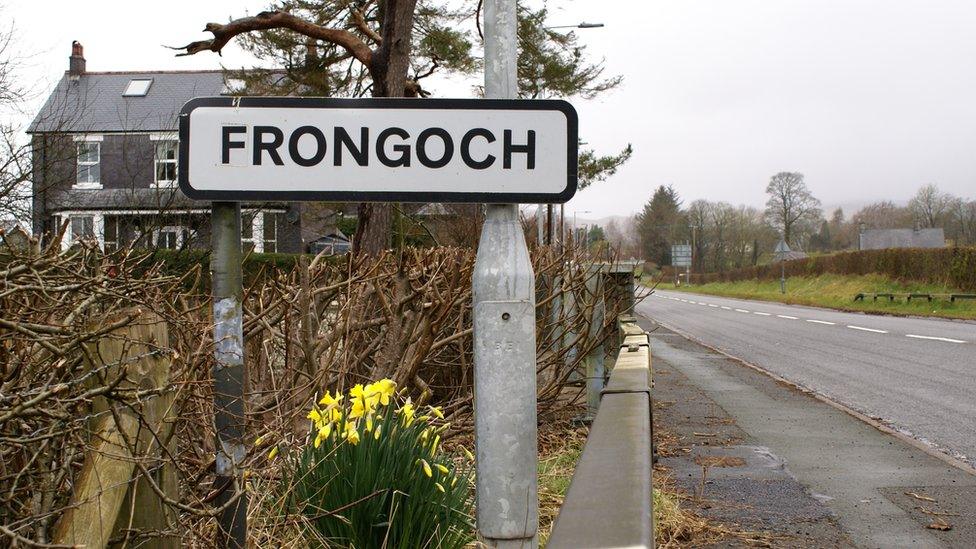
(782,248)
(420,150)
(681,255)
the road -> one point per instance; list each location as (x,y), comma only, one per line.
(916,375)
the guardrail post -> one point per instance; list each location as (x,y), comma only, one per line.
(595,368)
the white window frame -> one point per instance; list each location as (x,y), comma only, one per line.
(178,229)
(97,139)
(98,228)
(158,139)
(257,231)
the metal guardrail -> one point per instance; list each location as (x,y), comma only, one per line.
(609,499)
(910,296)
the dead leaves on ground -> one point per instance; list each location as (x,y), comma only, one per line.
(939,523)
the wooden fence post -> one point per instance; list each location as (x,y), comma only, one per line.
(112,499)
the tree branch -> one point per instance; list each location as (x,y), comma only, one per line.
(268,20)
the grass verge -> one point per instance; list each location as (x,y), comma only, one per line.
(837,292)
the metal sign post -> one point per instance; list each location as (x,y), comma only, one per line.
(503,289)
(681,257)
(782,250)
(228,373)
(500,151)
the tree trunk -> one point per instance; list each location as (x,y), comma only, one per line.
(388,70)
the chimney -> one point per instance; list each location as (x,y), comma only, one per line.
(76,63)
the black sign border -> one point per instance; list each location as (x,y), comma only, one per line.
(572,149)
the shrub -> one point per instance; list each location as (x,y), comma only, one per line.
(373,475)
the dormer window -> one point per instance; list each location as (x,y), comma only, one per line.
(137,88)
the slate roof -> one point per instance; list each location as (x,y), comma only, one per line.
(131,199)
(880,239)
(93,101)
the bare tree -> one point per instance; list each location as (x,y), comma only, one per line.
(929,207)
(387,63)
(15,162)
(791,205)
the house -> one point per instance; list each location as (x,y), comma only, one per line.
(105,154)
(879,239)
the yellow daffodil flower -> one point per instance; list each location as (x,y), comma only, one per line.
(314,415)
(350,433)
(439,487)
(406,412)
(329,401)
(273,453)
(385,388)
(442,469)
(468,454)
(436,410)
(259,441)
(426,467)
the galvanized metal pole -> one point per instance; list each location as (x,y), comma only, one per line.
(595,369)
(228,372)
(539,224)
(504,338)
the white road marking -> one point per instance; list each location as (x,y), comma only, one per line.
(946,339)
(741,311)
(713,305)
(821,322)
(788,317)
(693,302)
(726,308)
(760,313)
(863,329)
(702,303)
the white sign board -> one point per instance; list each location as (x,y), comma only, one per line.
(421,150)
(681,255)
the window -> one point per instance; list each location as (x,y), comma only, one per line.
(137,88)
(89,174)
(248,221)
(259,232)
(270,234)
(111,234)
(169,238)
(166,157)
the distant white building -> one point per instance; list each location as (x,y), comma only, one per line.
(880,239)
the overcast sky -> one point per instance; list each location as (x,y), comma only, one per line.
(870,99)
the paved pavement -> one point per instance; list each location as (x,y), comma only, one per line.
(798,456)
(915,375)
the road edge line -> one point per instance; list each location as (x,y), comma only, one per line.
(934,452)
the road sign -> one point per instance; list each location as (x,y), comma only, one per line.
(681,255)
(385,150)
(782,248)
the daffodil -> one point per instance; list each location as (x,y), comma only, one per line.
(406,412)
(329,401)
(439,487)
(436,410)
(468,454)
(350,433)
(433,447)
(385,388)
(426,467)
(273,453)
(259,441)
(442,469)
(314,415)
(376,433)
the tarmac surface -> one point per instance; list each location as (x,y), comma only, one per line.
(915,375)
(787,463)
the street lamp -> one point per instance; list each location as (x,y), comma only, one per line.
(583,25)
